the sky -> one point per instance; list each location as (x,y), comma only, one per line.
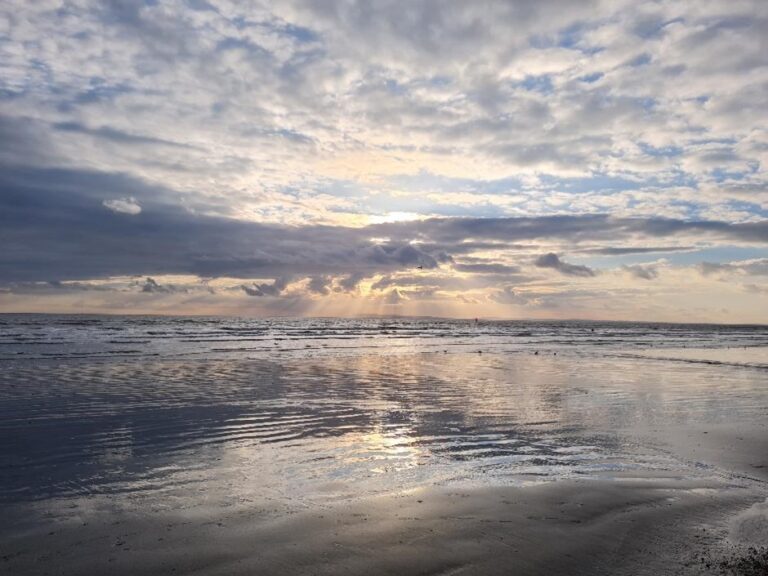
(493,159)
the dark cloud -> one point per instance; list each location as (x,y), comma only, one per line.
(389,281)
(53,226)
(551,260)
(350,282)
(23,141)
(151,286)
(53,287)
(404,255)
(274,289)
(114,135)
(575,228)
(320,285)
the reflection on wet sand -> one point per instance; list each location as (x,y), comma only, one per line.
(371,423)
(316,465)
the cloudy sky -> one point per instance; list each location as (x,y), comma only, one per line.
(499,159)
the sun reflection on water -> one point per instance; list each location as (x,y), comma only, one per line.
(302,432)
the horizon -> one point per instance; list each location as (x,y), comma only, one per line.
(546,161)
(388,317)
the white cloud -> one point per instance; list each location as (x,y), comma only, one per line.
(249,109)
(123,206)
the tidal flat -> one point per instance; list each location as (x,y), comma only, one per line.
(210,446)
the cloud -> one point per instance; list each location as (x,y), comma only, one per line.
(266,141)
(320,285)
(755,267)
(395,297)
(350,282)
(401,255)
(551,260)
(508,295)
(123,206)
(486,268)
(50,218)
(755,289)
(589,113)
(274,289)
(707,268)
(151,286)
(113,135)
(644,272)
(621,251)
(53,287)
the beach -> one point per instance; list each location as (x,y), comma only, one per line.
(381,447)
(637,526)
(383,287)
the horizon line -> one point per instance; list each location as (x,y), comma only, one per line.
(386,316)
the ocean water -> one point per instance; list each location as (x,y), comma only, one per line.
(183,414)
(49,336)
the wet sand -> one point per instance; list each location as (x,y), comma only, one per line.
(640,526)
(454,463)
(654,524)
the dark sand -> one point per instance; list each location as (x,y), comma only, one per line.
(650,525)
